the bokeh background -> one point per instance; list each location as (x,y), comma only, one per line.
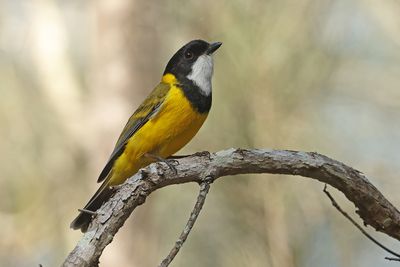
(313,75)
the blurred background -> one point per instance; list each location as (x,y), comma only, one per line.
(313,75)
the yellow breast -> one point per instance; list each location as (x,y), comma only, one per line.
(164,134)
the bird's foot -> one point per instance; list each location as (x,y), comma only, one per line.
(170,162)
(174,157)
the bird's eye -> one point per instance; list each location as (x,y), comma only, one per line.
(188,55)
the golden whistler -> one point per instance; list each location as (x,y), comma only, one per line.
(165,122)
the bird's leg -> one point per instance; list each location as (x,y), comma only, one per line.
(166,161)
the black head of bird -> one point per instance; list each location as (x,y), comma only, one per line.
(194,62)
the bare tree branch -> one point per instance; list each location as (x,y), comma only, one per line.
(204,188)
(392,259)
(359,227)
(373,208)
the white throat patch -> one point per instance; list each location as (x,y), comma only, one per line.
(202,71)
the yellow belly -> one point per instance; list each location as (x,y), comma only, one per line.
(163,135)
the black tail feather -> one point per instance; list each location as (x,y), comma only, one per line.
(83,220)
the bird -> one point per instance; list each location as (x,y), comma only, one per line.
(165,122)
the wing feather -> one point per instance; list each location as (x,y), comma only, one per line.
(145,111)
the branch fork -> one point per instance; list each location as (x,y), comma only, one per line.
(203,168)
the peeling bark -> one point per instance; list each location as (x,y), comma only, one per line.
(373,208)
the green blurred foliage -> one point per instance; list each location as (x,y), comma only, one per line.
(306,75)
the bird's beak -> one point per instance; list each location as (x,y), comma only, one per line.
(213,47)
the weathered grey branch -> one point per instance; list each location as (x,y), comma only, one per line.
(373,208)
(359,227)
(204,187)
